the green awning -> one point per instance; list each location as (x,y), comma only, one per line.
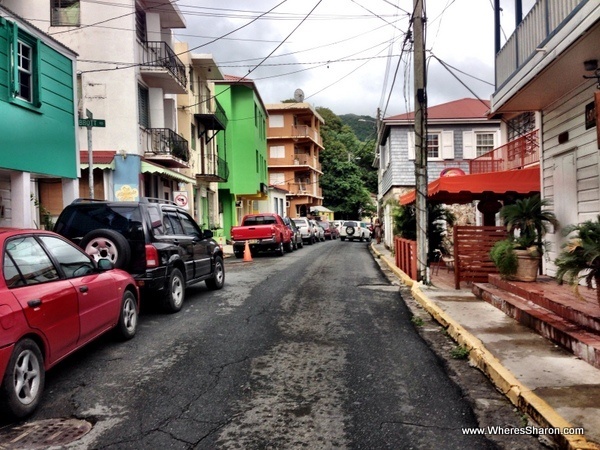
(148,167)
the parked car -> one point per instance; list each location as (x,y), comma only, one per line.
(367,229)
(262,232)
(306,229)
(354,229)
(157,242)
(326,229)
(297,241)
(319,231)
(55,299)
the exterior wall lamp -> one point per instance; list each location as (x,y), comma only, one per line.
(589,66)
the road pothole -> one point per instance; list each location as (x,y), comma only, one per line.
(43,434)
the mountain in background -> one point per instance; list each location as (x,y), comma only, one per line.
(365,129)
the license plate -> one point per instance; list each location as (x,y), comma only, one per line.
(252,241)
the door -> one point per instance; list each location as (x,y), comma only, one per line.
(202,263)
(565,194)
(49,303)
(98,299)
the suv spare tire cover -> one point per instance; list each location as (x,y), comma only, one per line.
(350,231)
(107,244)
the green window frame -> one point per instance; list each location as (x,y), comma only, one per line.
(25,69)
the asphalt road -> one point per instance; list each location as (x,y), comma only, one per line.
(315,349)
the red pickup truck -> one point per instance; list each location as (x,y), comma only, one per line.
(263,232)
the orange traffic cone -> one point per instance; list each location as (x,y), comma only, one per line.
(247,254)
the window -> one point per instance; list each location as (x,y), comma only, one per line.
(64,13)
(73,262)
(140,23)
(277,151)
(276,178)
(28,263)
(276,121)
(484,143)
(143,105)
(433,145)
(25,71)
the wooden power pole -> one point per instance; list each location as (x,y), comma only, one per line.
(420,140)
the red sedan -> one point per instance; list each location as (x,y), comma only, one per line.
(53,300)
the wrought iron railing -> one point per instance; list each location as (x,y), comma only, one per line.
(159,54)
(215,168)
(164,141)
(521,152)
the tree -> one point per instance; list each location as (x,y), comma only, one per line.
(343,182)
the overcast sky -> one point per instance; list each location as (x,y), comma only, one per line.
(346,55)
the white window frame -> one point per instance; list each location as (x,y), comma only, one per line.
(277,178)
(445,145)
(276,121)
(277,151)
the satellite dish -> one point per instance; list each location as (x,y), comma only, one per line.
(299,95)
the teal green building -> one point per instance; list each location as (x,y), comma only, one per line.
(245,141)
(38,146)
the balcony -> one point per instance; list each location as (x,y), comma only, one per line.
(164,146)
(297,161)
(522,152)
(304,189)
(213,168)
(162,68)
(297,132)
(209,113)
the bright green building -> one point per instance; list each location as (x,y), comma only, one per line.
(38,147)
(245,142)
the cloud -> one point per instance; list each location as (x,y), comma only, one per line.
(346,54)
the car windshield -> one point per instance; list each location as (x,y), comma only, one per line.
(299,222)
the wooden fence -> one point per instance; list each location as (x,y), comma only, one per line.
(406,256)
(472,245)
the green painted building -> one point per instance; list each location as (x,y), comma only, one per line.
(245,142)
(37,120)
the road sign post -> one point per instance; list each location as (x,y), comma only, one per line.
(89,123)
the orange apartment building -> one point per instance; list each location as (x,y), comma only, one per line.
(294,143)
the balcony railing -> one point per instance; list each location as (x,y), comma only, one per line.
(542,21)
(165,142)
(304,188)
(159,54)
(208,110)
(522,152)
(213,168)
(298,159)
(297,132)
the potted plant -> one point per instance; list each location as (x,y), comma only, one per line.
(518,257)
(580,256)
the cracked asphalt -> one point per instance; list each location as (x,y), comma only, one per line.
(312,350)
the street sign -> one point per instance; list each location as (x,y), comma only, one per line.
(92,123)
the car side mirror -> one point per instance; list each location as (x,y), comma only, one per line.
(105,264)
(208,234)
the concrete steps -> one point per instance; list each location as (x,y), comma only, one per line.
(556,314)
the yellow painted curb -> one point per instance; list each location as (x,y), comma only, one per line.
(521,396)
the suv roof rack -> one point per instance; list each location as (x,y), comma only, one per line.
(81,200)
(157,200)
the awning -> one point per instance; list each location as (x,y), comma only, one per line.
(481,186)
(148,167)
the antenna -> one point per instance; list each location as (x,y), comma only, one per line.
(299,95)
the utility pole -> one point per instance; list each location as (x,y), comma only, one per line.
(420,140)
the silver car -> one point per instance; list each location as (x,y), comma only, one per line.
(306,230)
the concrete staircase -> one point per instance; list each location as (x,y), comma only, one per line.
(555,311)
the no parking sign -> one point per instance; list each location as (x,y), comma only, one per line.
(181,199)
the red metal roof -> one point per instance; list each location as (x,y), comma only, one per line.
(466,108)
(100,156)
(479,186)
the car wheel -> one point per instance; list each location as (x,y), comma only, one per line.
(300,243)
(289,247)
(107,244)
(175,292)
(349,231)
(280,251)
(360,239)
(128,319)
(218,278)
(23,380)
(238,254)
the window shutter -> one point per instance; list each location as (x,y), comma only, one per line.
(276,179)
(447,144)
(411,145)
(276,121)
(277,151)
(469,149)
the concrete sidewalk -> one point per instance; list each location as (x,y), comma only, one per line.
(555,388)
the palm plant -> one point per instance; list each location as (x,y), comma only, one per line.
(581,254)
(528,216)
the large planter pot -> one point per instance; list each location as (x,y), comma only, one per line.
(527,269)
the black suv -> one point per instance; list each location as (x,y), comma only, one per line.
(159,243)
